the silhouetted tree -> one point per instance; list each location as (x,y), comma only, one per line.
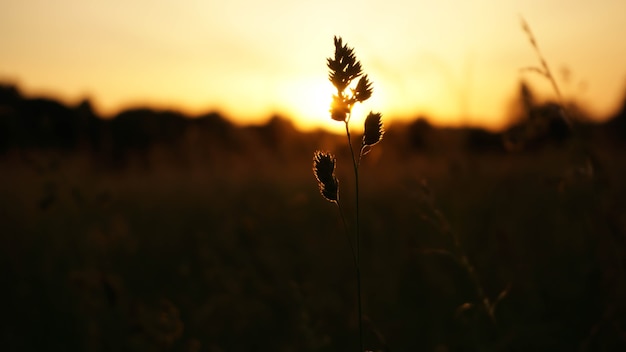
(9,99)
(90,127)
(136,131)
(46,123)
(418,133)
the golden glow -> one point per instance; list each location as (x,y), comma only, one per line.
(308,102)
(457,62)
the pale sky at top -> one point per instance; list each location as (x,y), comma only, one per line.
(457,61)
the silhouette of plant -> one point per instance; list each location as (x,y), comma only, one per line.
(344,69)
(544,70)
(588,170)
(580,146)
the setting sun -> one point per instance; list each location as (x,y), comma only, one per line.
(309,102)
(454,62)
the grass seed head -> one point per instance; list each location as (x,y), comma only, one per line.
(324,171)
(373,129)
(344,67)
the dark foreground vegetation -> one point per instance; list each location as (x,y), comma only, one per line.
(156,232)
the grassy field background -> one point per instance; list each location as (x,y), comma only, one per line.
(220,241)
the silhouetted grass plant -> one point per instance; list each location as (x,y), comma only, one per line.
(544,70)
(344,70)
(588,172)
(581,148)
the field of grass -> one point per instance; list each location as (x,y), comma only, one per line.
(237,251)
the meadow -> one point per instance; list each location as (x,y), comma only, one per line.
(217,239)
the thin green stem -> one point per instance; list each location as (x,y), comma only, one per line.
(358,237)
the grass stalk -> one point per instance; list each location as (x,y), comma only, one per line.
(344,69)
(357,263)
(347,233)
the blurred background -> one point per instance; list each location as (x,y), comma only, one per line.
(157,194)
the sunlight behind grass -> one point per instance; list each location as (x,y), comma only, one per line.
(453,61)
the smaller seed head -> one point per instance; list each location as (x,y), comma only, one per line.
(373,129)
(324,171)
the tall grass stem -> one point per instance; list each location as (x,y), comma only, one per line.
(355,166)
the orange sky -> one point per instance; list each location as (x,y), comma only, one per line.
(457,61)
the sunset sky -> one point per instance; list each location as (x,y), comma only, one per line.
(456,61)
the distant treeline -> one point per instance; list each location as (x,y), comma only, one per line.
(42,123)
(47,124)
